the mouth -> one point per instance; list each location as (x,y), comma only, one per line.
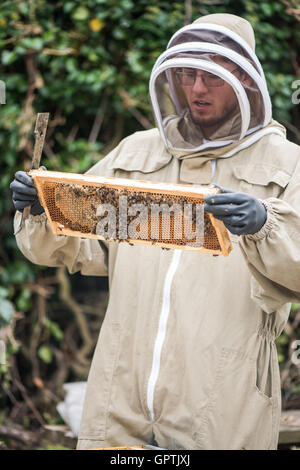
(201,104)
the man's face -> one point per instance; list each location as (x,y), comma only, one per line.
(210,105)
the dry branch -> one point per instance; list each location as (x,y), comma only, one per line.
(119,126)
(98,120)
(188,11)
(67,299)
(27,399)
(26,437)
(292,8)
(128,103)
(59,52)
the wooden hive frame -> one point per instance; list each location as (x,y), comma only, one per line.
(70,184)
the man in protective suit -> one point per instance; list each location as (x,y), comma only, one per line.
(186,356)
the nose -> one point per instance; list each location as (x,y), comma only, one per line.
(199,85)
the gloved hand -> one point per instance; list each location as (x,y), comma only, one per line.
(241,213)
(24,193)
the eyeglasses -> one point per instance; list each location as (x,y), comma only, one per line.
(188,78)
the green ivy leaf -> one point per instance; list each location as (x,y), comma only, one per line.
(81,14)
(55,329)
(18,272)
(7,311)
(32,43)
(4,292)
(8,57)
(45,354)
(295,307)
(23,302)
(281,358)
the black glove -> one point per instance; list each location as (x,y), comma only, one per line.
(24,193)
(241,213)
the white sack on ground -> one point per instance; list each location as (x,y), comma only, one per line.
(71,408)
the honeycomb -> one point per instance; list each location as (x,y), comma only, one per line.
(131,211)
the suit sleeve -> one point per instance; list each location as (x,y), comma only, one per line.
(273,253)
(38,243)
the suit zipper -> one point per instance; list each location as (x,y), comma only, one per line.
(161,333)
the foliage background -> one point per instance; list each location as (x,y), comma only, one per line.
(88,63)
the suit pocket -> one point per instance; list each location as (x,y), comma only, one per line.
(261,181)
(98,394)
(238,414)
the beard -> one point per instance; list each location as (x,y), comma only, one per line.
(216,121)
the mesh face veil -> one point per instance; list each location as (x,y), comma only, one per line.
(208,89)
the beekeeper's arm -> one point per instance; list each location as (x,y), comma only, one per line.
(270,239)
(37,241)
(41,246)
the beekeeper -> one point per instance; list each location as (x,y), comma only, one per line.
(186,356)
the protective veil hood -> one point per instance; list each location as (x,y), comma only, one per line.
(228,105)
